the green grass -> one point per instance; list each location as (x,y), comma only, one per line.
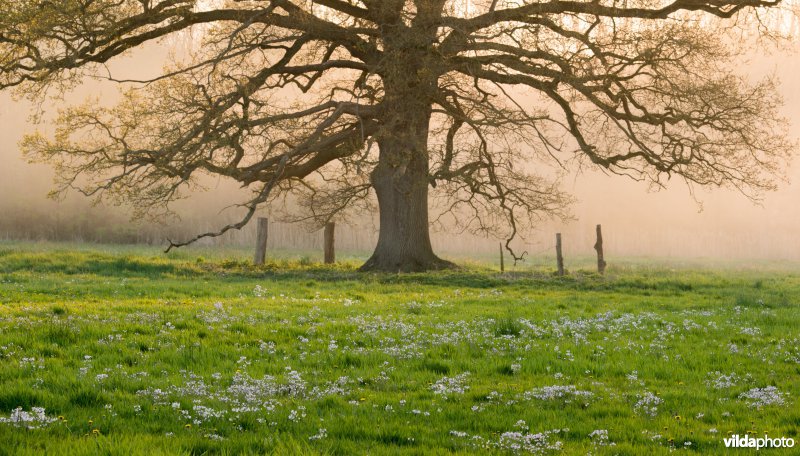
(201,353)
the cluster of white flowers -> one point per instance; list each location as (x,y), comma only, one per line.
(267,347)
(32,363)
(526,442)
(600,438)
(791,353)
(259,291)
(206,413)
(321,434)
(446,386)
(566,392)
(751,331)
(111,338)
(298,414)
(242,394)
(34,419)
(689,325)
(7,351)
(648,404)
(759,397)
(718,380)
(218,315)
(516,442)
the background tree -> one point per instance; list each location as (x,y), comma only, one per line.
(329,100)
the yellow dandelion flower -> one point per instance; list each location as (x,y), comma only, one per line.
(188,425)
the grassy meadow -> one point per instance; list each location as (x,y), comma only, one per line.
(123,350)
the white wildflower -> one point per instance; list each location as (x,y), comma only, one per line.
(451,385)
(648,404)
(35,419)
(759,397)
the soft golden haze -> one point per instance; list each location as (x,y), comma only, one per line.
(494,108)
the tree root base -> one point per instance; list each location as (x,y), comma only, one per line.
(378,263)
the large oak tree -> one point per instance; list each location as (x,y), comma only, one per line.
(330,100)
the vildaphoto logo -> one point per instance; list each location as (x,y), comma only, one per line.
(746,441)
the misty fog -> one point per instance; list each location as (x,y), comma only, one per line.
(710,223)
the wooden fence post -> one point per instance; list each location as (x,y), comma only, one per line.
(559,256)
(261,241)
(330,253)
(601,263)
(502,261)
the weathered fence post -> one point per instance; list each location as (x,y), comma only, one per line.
(330,253)
(502,261)
(559,256)
(261,241)
(601,263)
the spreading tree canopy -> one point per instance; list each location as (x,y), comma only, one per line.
(331,100)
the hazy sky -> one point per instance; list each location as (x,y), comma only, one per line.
(635,221)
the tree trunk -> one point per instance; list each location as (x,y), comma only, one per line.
(404,243)
(400,179)
(401,184)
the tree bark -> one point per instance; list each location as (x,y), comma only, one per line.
(404,243)
(400,181)
(401,177)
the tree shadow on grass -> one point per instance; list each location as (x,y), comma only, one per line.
(111,265)
(74,263)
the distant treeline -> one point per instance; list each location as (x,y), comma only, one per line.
(101,225)
(40,225)
(79,222)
